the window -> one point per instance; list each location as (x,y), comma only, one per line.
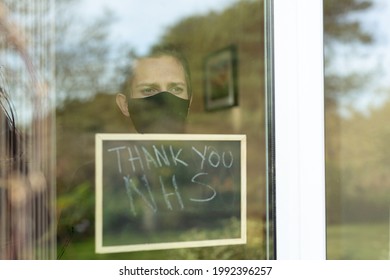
(357,135)
(27,147)
(97,52)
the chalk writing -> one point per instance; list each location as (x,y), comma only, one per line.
(159,175)
(169,191)
(214,158)
(214,193)
(156,158)
(159,157)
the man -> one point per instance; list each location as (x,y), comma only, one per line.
(158,94)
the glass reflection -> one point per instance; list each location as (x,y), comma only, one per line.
(357,135)
(94,64)
(27,188)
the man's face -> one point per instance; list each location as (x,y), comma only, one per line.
(159,74)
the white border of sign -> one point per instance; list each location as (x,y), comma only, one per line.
(99,138)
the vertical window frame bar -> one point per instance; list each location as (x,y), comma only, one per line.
(299,129)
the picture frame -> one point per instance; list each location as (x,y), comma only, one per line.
(221,87)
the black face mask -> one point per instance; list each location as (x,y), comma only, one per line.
(159,113)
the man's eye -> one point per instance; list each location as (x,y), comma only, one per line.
(177,90)
(148,91)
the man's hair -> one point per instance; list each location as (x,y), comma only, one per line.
(159,52)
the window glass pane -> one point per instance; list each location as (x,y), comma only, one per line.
(27,151)
(357,45)
(98,48)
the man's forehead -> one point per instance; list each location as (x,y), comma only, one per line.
(160,62)
(158,69)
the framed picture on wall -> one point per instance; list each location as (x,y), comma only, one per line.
(221,90)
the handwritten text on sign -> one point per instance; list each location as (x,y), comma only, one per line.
(169,191)
(137,161)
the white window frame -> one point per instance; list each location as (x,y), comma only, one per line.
(299,129)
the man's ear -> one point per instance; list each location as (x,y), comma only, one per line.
(121,101)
